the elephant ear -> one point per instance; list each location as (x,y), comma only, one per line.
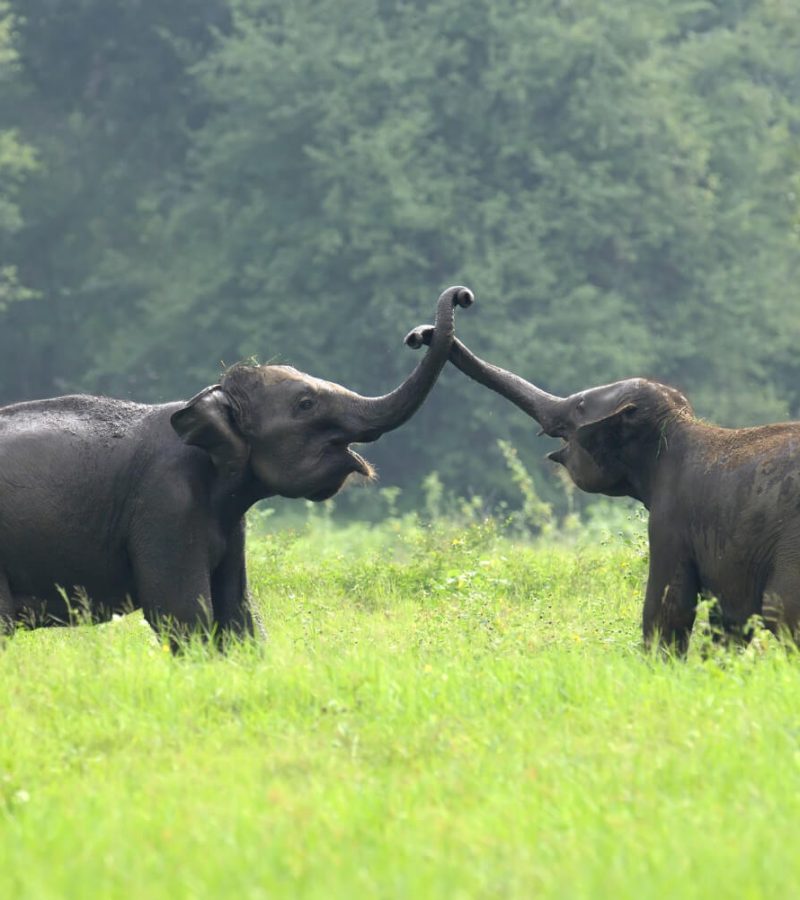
(207,421)
(604,435)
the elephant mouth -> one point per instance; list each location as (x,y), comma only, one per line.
(362,467)
(559,455)
(354,465)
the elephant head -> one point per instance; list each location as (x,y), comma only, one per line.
(291,433)
(611,435)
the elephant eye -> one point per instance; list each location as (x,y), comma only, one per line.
(581,405)
(306,403)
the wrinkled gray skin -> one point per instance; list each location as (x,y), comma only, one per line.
(724,503)
(124,505)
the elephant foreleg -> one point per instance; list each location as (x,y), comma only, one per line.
(780,602)
(670,602)
(173,587)
(6,606)
(233,611)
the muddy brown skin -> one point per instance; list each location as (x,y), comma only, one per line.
(724,503)
(106,506)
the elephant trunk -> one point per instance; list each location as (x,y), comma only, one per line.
(538,404)
(375,416)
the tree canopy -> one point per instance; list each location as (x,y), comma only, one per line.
(187,183)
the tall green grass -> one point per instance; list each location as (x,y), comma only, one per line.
(438,712)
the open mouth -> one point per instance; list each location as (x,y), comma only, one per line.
(362,466)
(357,469)
(559,455)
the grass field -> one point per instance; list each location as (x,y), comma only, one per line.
(439,712)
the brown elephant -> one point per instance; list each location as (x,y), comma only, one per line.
(724,503)
(130,505)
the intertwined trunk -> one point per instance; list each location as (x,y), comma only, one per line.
(373,416)
(533,400)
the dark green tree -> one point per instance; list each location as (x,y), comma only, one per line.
(17,162)
(298,182)
(104,92)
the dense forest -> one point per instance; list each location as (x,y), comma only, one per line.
(188,183)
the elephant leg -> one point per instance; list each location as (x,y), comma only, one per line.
(780,603)
(233,612)
(173,587)
(6,606)
(670,602)
(780,600)
(724,633)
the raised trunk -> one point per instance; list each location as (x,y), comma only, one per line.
(373,416)
(533,400)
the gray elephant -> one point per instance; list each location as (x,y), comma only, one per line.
(724,503)
(107,505)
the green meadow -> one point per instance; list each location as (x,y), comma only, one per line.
(439,711)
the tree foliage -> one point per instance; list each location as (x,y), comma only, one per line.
(17,161)
(230,178)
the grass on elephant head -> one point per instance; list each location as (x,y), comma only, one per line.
(439,712)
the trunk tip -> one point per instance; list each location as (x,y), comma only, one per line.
(462,296)
(419,336)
